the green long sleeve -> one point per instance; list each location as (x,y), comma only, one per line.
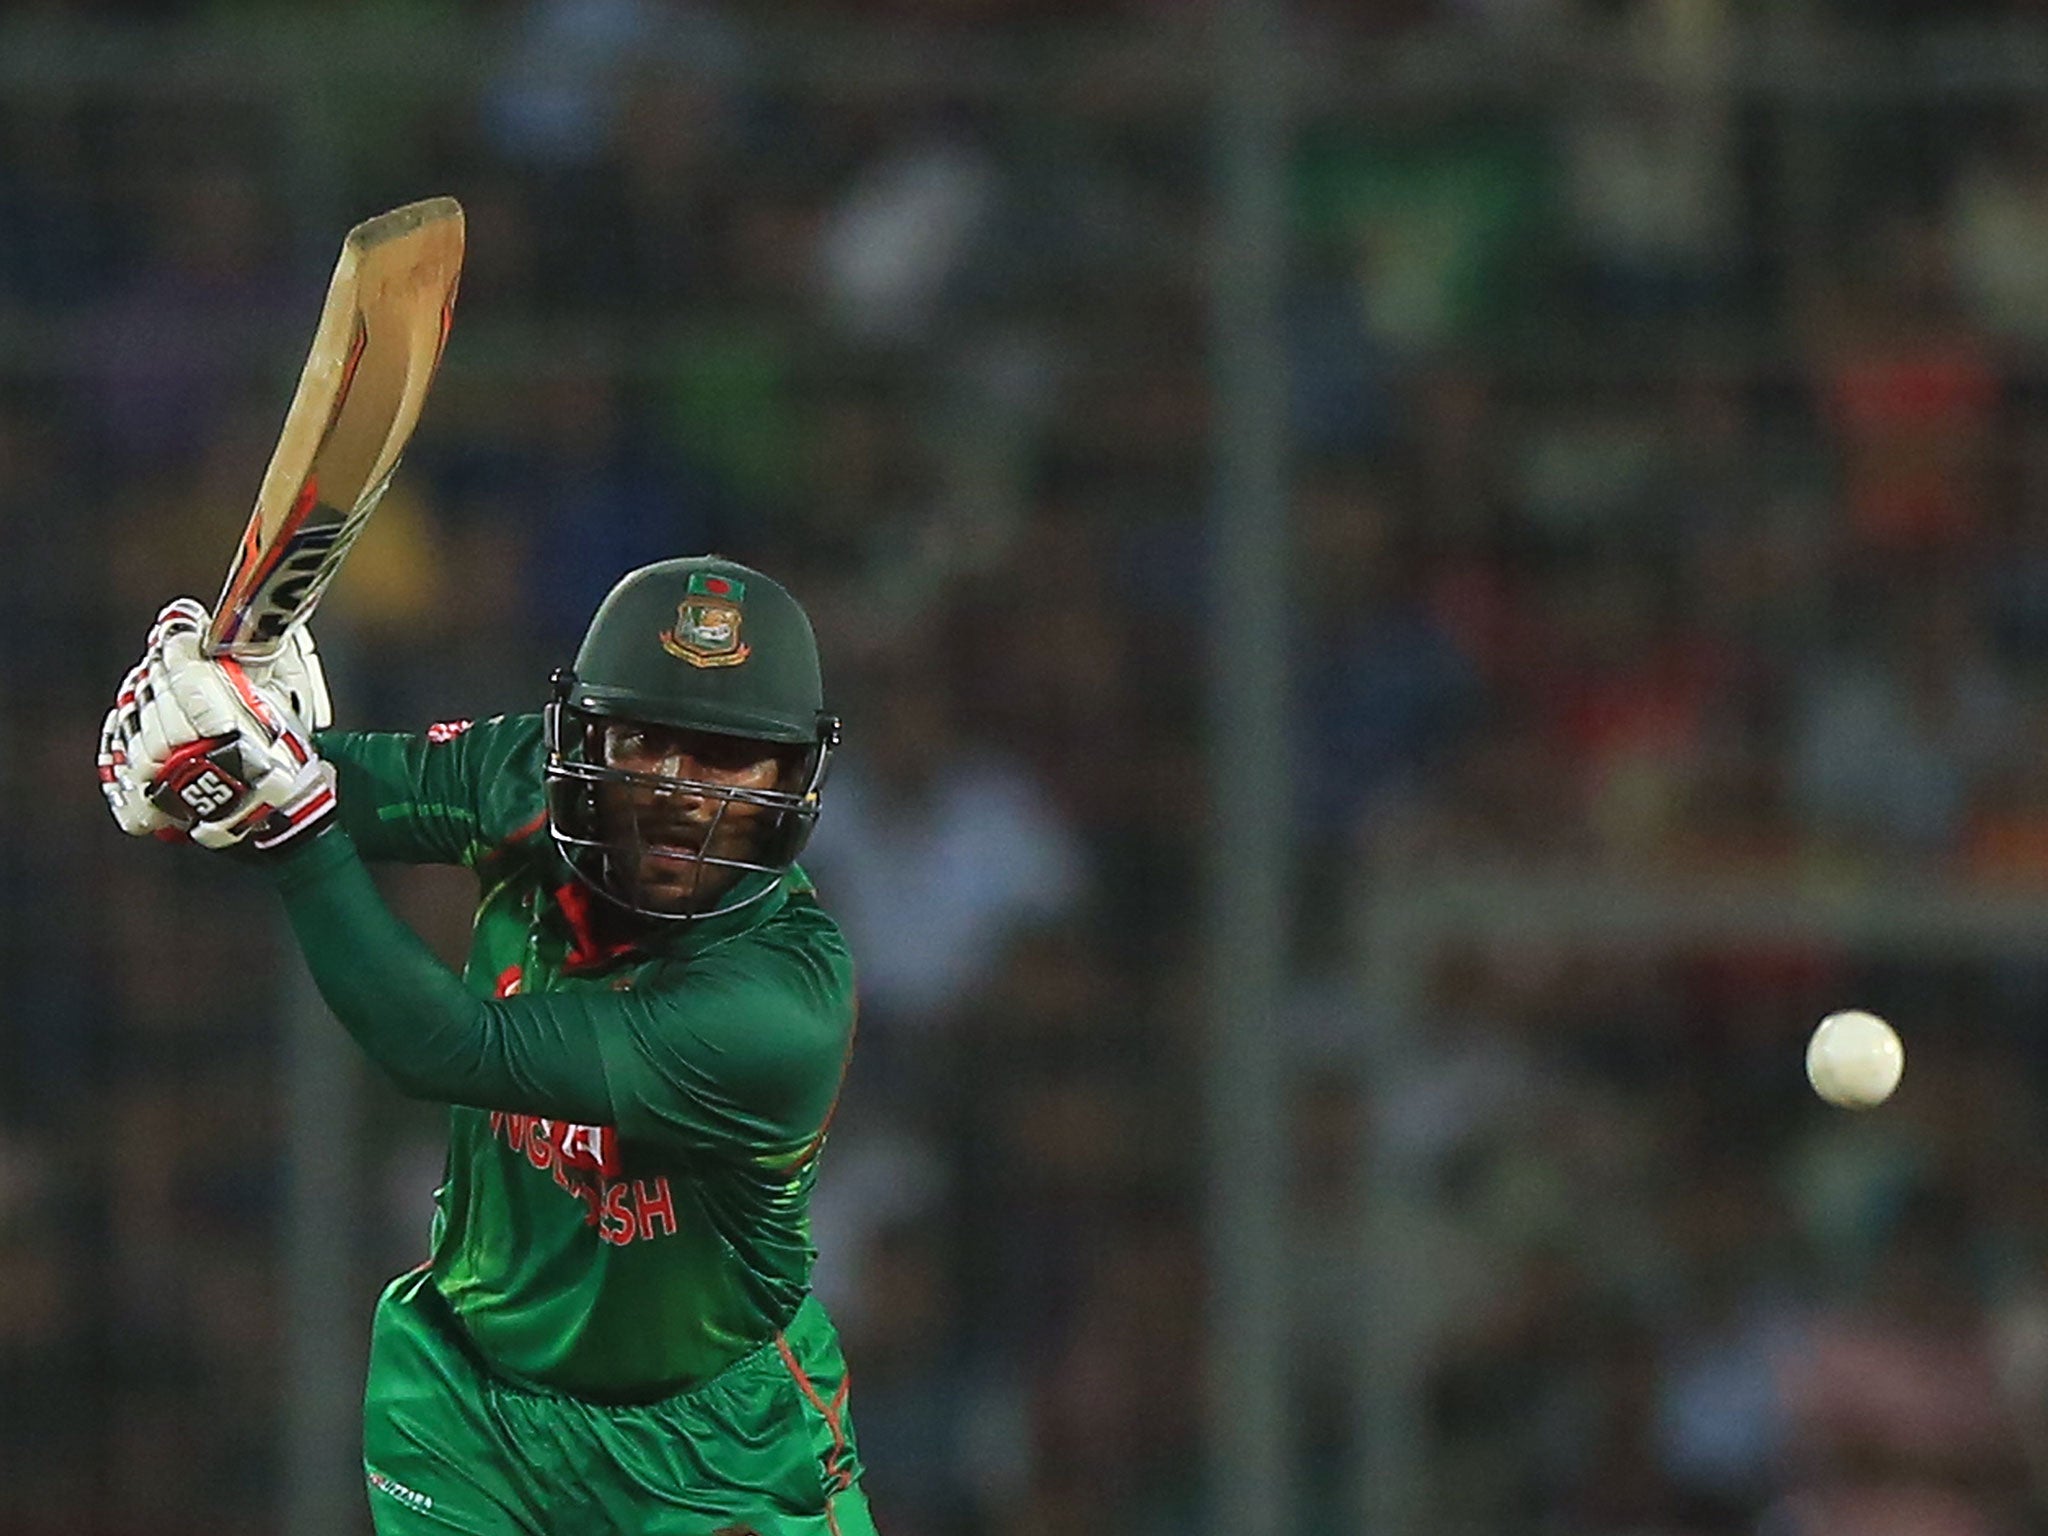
(739,1047)
(442,796)
(413,1016)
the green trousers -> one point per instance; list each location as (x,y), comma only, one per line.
(762,1449)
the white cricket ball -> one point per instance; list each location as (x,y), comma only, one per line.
(1854,1059)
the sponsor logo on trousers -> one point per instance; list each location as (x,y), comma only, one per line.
(398,1491)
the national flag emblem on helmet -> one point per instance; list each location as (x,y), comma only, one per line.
(707,628)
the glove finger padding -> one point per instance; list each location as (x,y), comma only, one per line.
(203,694)
(161,729)
(180,613)
(116,748)
(172,706)
(126,795)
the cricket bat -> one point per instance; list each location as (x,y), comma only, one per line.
(365,380)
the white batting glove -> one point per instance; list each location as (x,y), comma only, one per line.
(202,747)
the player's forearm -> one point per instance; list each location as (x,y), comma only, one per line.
(414,1018)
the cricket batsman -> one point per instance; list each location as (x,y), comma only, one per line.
(615,1331)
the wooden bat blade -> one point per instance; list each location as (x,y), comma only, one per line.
(365,380)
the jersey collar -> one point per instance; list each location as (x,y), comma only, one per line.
(587,952)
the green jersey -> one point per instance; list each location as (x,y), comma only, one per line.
(636,1126)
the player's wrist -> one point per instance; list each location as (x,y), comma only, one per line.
(301,817)
(301,860)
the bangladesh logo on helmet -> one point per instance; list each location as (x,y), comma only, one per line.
(707,630)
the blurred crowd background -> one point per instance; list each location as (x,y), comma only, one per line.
(1668,402)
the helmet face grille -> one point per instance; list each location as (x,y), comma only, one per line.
(607,862)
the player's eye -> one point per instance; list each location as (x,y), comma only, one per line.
(619,743)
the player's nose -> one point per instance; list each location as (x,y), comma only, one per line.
(679,799)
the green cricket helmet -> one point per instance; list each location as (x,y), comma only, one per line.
(701,644)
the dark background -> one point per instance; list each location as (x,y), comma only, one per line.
(1668,467)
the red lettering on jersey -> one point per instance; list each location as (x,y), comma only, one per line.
(508,982)
(617,1228)
(446,730)
(623,1211)
(595,1147)
(647,1207)
(540,1145)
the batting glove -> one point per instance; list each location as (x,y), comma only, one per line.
(202,748)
